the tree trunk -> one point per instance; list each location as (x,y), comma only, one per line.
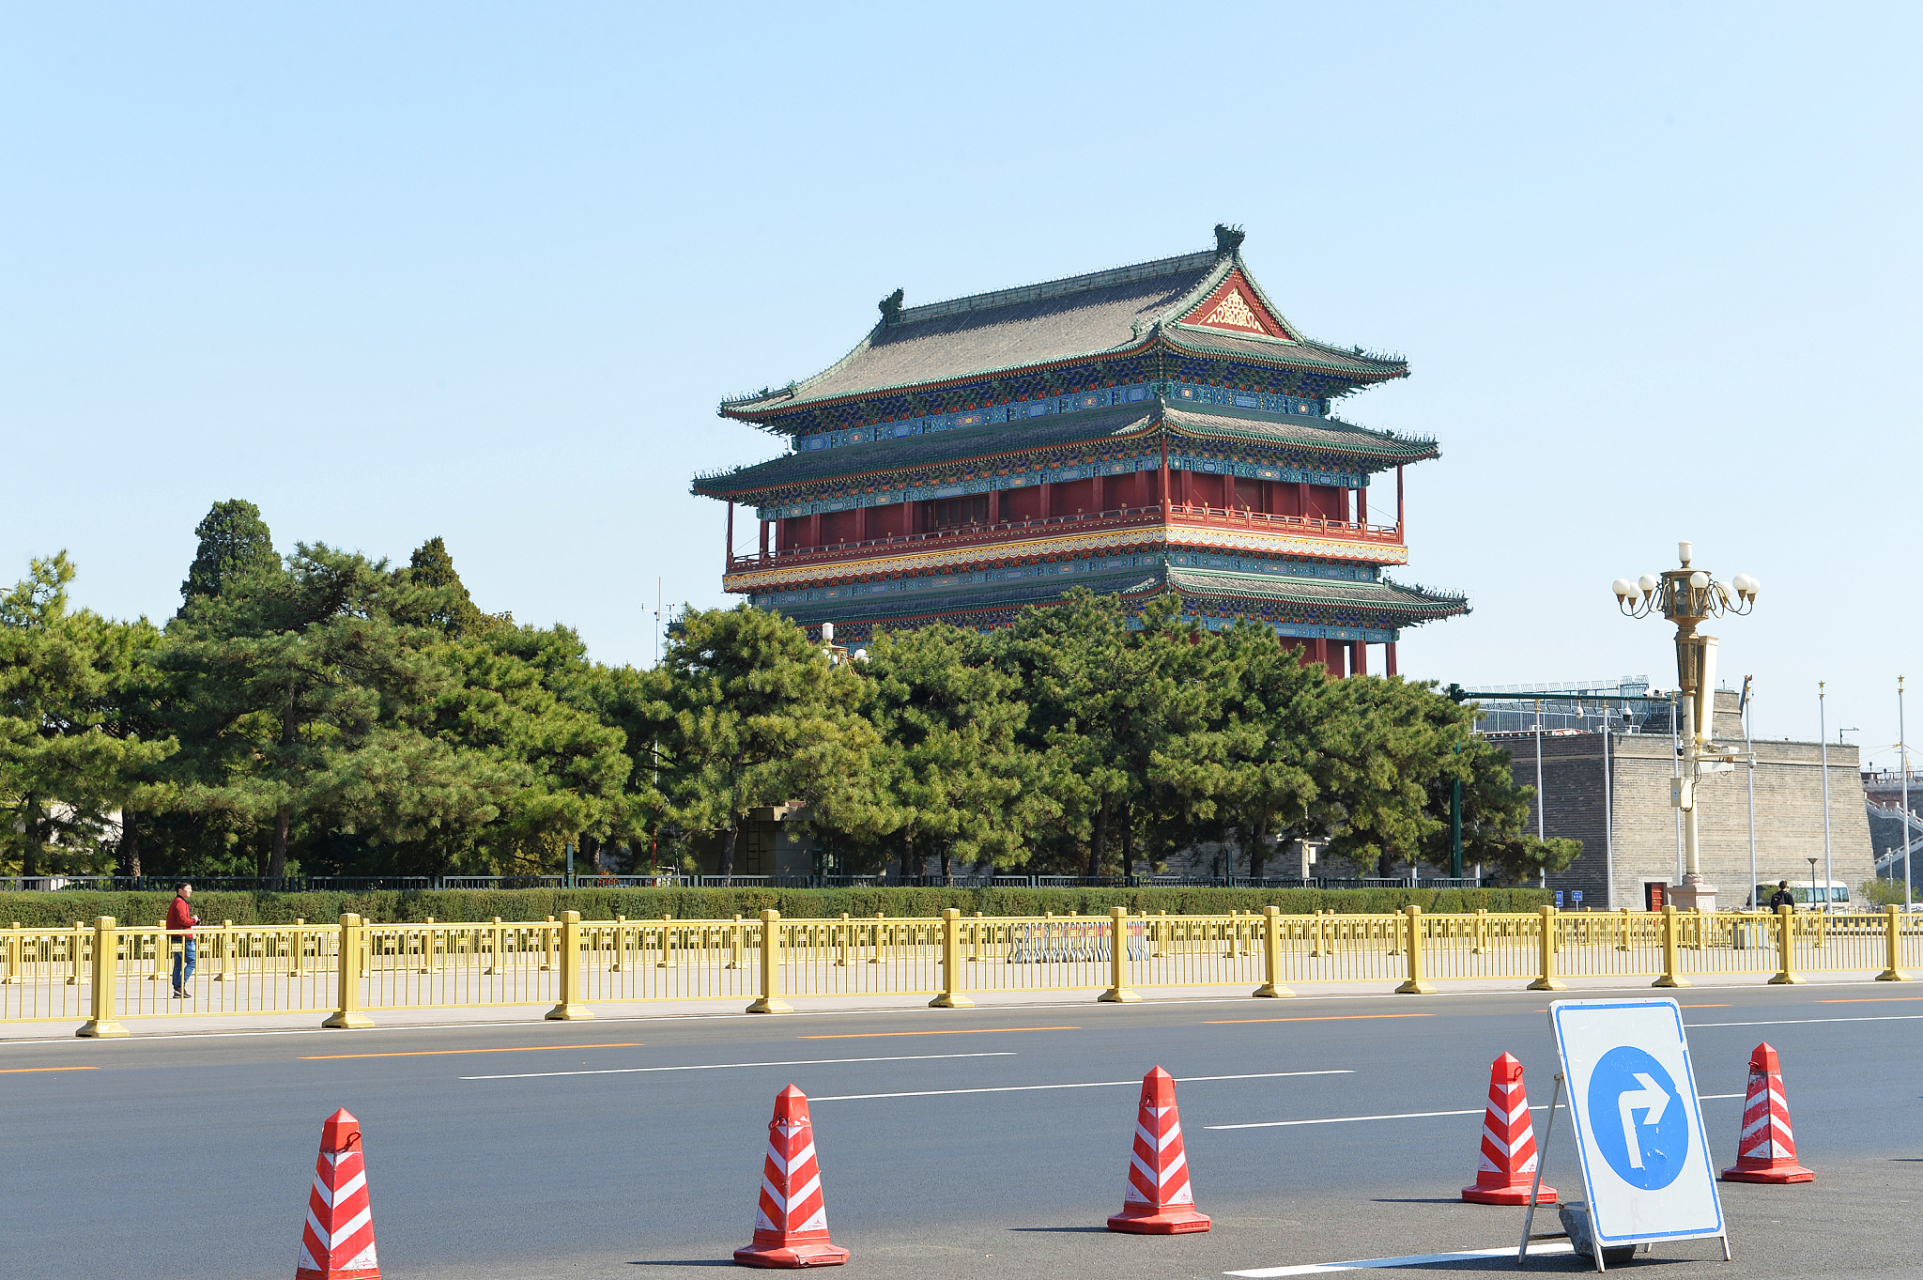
(1096,839)
(727,854)
(1128,839)
(947,873)
(30,858)
(1256,853)
(907,860)
(284,815)
(277,863)
(130,843)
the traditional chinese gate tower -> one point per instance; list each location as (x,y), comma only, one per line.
(1154,429)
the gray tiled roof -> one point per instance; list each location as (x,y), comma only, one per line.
(1107,311)
(1055,430)
(1392,602)
(1327,434)
(1384,595)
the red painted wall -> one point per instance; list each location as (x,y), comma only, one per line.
(838,526)
(1022,504)
(1076,495)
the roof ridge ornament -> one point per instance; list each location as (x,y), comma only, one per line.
(1228,238)
(891,307)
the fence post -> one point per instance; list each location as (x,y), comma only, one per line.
(102,1025)
(1272,954)
(1892,949)
(1415,986)
(347,1013)
(1546,946)
(1624,926)
(1671,951)
(226,943)
(735,934)
(951,964)
(1785,948)
(1118,992)
(570,1008)
(770,1000)
(620,924)
(1482,932)
(300,923)
(12,956)
(76,946)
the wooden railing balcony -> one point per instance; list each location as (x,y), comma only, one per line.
(1173,514)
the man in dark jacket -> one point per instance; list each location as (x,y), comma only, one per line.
(180,923)
(1782,897)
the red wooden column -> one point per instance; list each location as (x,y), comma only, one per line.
(1164,493)
(1359,657)
(861,524)
(994,506)
(727,560)
(1302,499)
(1047,489)
(1399,515)
(1362,506)
(764,541)
(1097,496)
(1389,658)
(1337,660)
(814,529)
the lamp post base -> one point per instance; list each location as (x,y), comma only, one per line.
(1693,895)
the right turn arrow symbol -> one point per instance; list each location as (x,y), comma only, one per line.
(1651,1095)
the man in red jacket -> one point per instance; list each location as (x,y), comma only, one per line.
(180,923)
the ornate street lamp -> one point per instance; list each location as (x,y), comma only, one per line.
(1688,597)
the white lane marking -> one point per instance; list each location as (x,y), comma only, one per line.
(1280,1124)
(722,1066)
(1797,1022)
(1413,1260)
(1405,1115)
(1090,1084)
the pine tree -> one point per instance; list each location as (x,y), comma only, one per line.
(70,754)
(234,543)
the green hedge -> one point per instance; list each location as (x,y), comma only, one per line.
(41,910)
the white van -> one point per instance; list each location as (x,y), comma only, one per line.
(1832,895)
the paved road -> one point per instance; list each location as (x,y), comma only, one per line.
(593,1149)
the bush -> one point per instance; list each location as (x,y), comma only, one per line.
(63,908)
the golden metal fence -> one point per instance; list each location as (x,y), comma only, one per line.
(352,969)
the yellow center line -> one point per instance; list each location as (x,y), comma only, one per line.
(1329,1017)
(1870,1000)
(438,1053)
(15,1071)
(963,1031)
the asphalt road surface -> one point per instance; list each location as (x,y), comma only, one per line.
(971,1144)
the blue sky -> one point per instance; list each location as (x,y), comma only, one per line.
(484,271)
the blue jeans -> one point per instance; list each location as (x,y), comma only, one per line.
(184,964)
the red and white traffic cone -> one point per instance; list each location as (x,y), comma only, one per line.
(791,1218)
(1766,1148)
(1507,1170)
(338,1241)
(1159,1200)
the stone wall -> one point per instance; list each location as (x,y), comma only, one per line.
(1636,832)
